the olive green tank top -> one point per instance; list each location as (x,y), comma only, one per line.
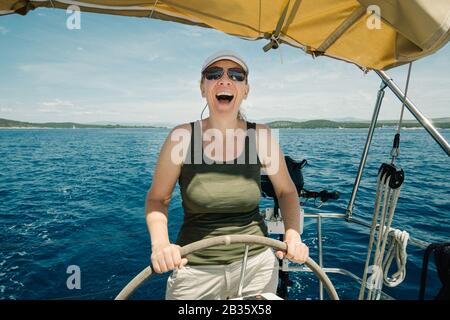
(220,199)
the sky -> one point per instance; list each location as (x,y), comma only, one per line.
(137,70)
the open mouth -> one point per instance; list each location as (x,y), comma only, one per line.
(224,97)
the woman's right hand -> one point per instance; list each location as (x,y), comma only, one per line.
(167,257)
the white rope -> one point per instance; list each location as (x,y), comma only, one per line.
(387,213)
(397,249)
(385,204)
(395,151)
(153,8)
(365,282)
(404,98)
(276,39)
(91,5)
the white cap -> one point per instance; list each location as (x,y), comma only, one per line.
(225,55)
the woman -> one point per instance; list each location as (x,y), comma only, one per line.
(220,188)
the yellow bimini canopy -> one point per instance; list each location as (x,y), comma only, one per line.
(373,34)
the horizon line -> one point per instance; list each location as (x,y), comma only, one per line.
(107,122)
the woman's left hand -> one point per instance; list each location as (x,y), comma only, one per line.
(297,251)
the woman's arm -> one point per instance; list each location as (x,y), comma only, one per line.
(272,159)
(165,256)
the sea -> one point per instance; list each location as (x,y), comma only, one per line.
(72,205)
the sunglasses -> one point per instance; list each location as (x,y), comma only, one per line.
(215,73)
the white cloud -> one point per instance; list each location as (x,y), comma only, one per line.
(3,109)
(188,31)
(56,106)
(57,103)
(48,110)
(3,30)
(147,76)
(153,57)
(96,112)
(25,67)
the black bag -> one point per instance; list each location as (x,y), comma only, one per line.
(295,171)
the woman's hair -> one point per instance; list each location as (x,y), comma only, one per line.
(241,115)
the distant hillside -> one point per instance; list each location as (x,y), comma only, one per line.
(312,124)
(443,123)
(5,123)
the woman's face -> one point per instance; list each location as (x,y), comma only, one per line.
(224,95)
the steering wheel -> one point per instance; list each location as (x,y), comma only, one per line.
(227,240)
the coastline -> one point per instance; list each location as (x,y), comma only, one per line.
(439,123)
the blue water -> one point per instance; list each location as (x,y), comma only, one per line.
(76,197)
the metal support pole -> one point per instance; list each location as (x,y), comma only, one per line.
(244,266)
(362,163)
(415,112)
(319,245)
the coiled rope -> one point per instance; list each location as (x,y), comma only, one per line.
(397,249)
(388,190)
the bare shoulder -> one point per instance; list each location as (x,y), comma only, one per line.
(186,126)
(262,126)
(263,130)
(179,131)
(176,144)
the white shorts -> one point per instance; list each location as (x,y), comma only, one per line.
(219,282)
